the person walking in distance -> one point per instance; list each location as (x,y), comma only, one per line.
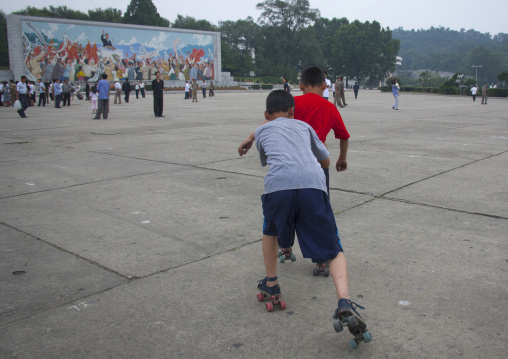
(194,90)
(212,90)
(22,90)
(103,104)
(57,89)
(187,90)
(355,89)
(142,88)
(42,93)
(337,99)
(484,93)
(158,95)
(341,91)
(136,88)
(286,84)
(66,89)
(395,92)
(118,93)
(474,91)
(126,89)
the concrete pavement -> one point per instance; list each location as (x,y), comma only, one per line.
(139,237)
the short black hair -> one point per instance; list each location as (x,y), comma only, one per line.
(312,76)
(279,101)
(104,76)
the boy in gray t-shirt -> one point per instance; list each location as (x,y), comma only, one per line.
(296,201)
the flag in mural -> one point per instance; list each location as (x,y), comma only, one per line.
(83,52)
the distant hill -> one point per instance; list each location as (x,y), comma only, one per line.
(442,49)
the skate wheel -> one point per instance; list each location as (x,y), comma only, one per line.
(338,326)
(282,305)
(326,272)
(293,258)
(261,297)
(367,337)
(282,259)
(353,343)
(352,322)
(315,272)
(269,306)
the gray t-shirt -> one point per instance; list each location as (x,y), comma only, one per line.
(292,149)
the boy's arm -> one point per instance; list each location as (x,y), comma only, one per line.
(247,144)
(325,163)
(341,164)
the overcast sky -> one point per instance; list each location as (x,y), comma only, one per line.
(454,14)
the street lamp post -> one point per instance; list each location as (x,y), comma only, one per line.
(476,72)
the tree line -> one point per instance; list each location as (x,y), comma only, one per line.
(290,35)
(442,49)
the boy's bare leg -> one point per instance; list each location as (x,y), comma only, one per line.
(338,271)
(270,250)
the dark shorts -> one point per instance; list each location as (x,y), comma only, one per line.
(306,212)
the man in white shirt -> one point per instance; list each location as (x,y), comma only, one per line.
(118,92)
(142,89)
(22,96)
(326,92)
(187,89)
(474,90)
(42,94)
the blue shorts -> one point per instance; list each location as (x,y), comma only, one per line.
(306,212)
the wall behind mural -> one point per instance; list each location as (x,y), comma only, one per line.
(83,52)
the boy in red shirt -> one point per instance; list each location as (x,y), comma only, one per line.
(322,116)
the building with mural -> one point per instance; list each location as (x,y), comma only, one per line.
(47,48)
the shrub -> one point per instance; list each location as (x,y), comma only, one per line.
(256,87)
(271,79)
(267,87)
(497,92)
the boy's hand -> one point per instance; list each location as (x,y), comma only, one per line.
(245,146)
(341,165)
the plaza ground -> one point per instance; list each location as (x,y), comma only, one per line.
(139,237)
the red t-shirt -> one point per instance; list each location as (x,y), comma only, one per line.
(321,115)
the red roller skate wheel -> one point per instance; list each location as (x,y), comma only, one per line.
(261,297)
(269,306)
(282,304)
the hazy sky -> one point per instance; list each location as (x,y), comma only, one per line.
(456,14)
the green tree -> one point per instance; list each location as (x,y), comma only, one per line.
(492,61)
(503,77)
(144,12)
(325,31)
(189,22)
(364,50)
(240,42)
(284,19)
(62,12)
(105,15)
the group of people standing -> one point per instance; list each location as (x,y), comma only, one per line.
(191,89)
(126,87)
(26,93)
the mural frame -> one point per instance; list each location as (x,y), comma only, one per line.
(20,46)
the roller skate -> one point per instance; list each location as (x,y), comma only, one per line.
(286,253)
(270,292)
(346,315)
(322,267)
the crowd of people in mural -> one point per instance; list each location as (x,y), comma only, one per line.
(75,62)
